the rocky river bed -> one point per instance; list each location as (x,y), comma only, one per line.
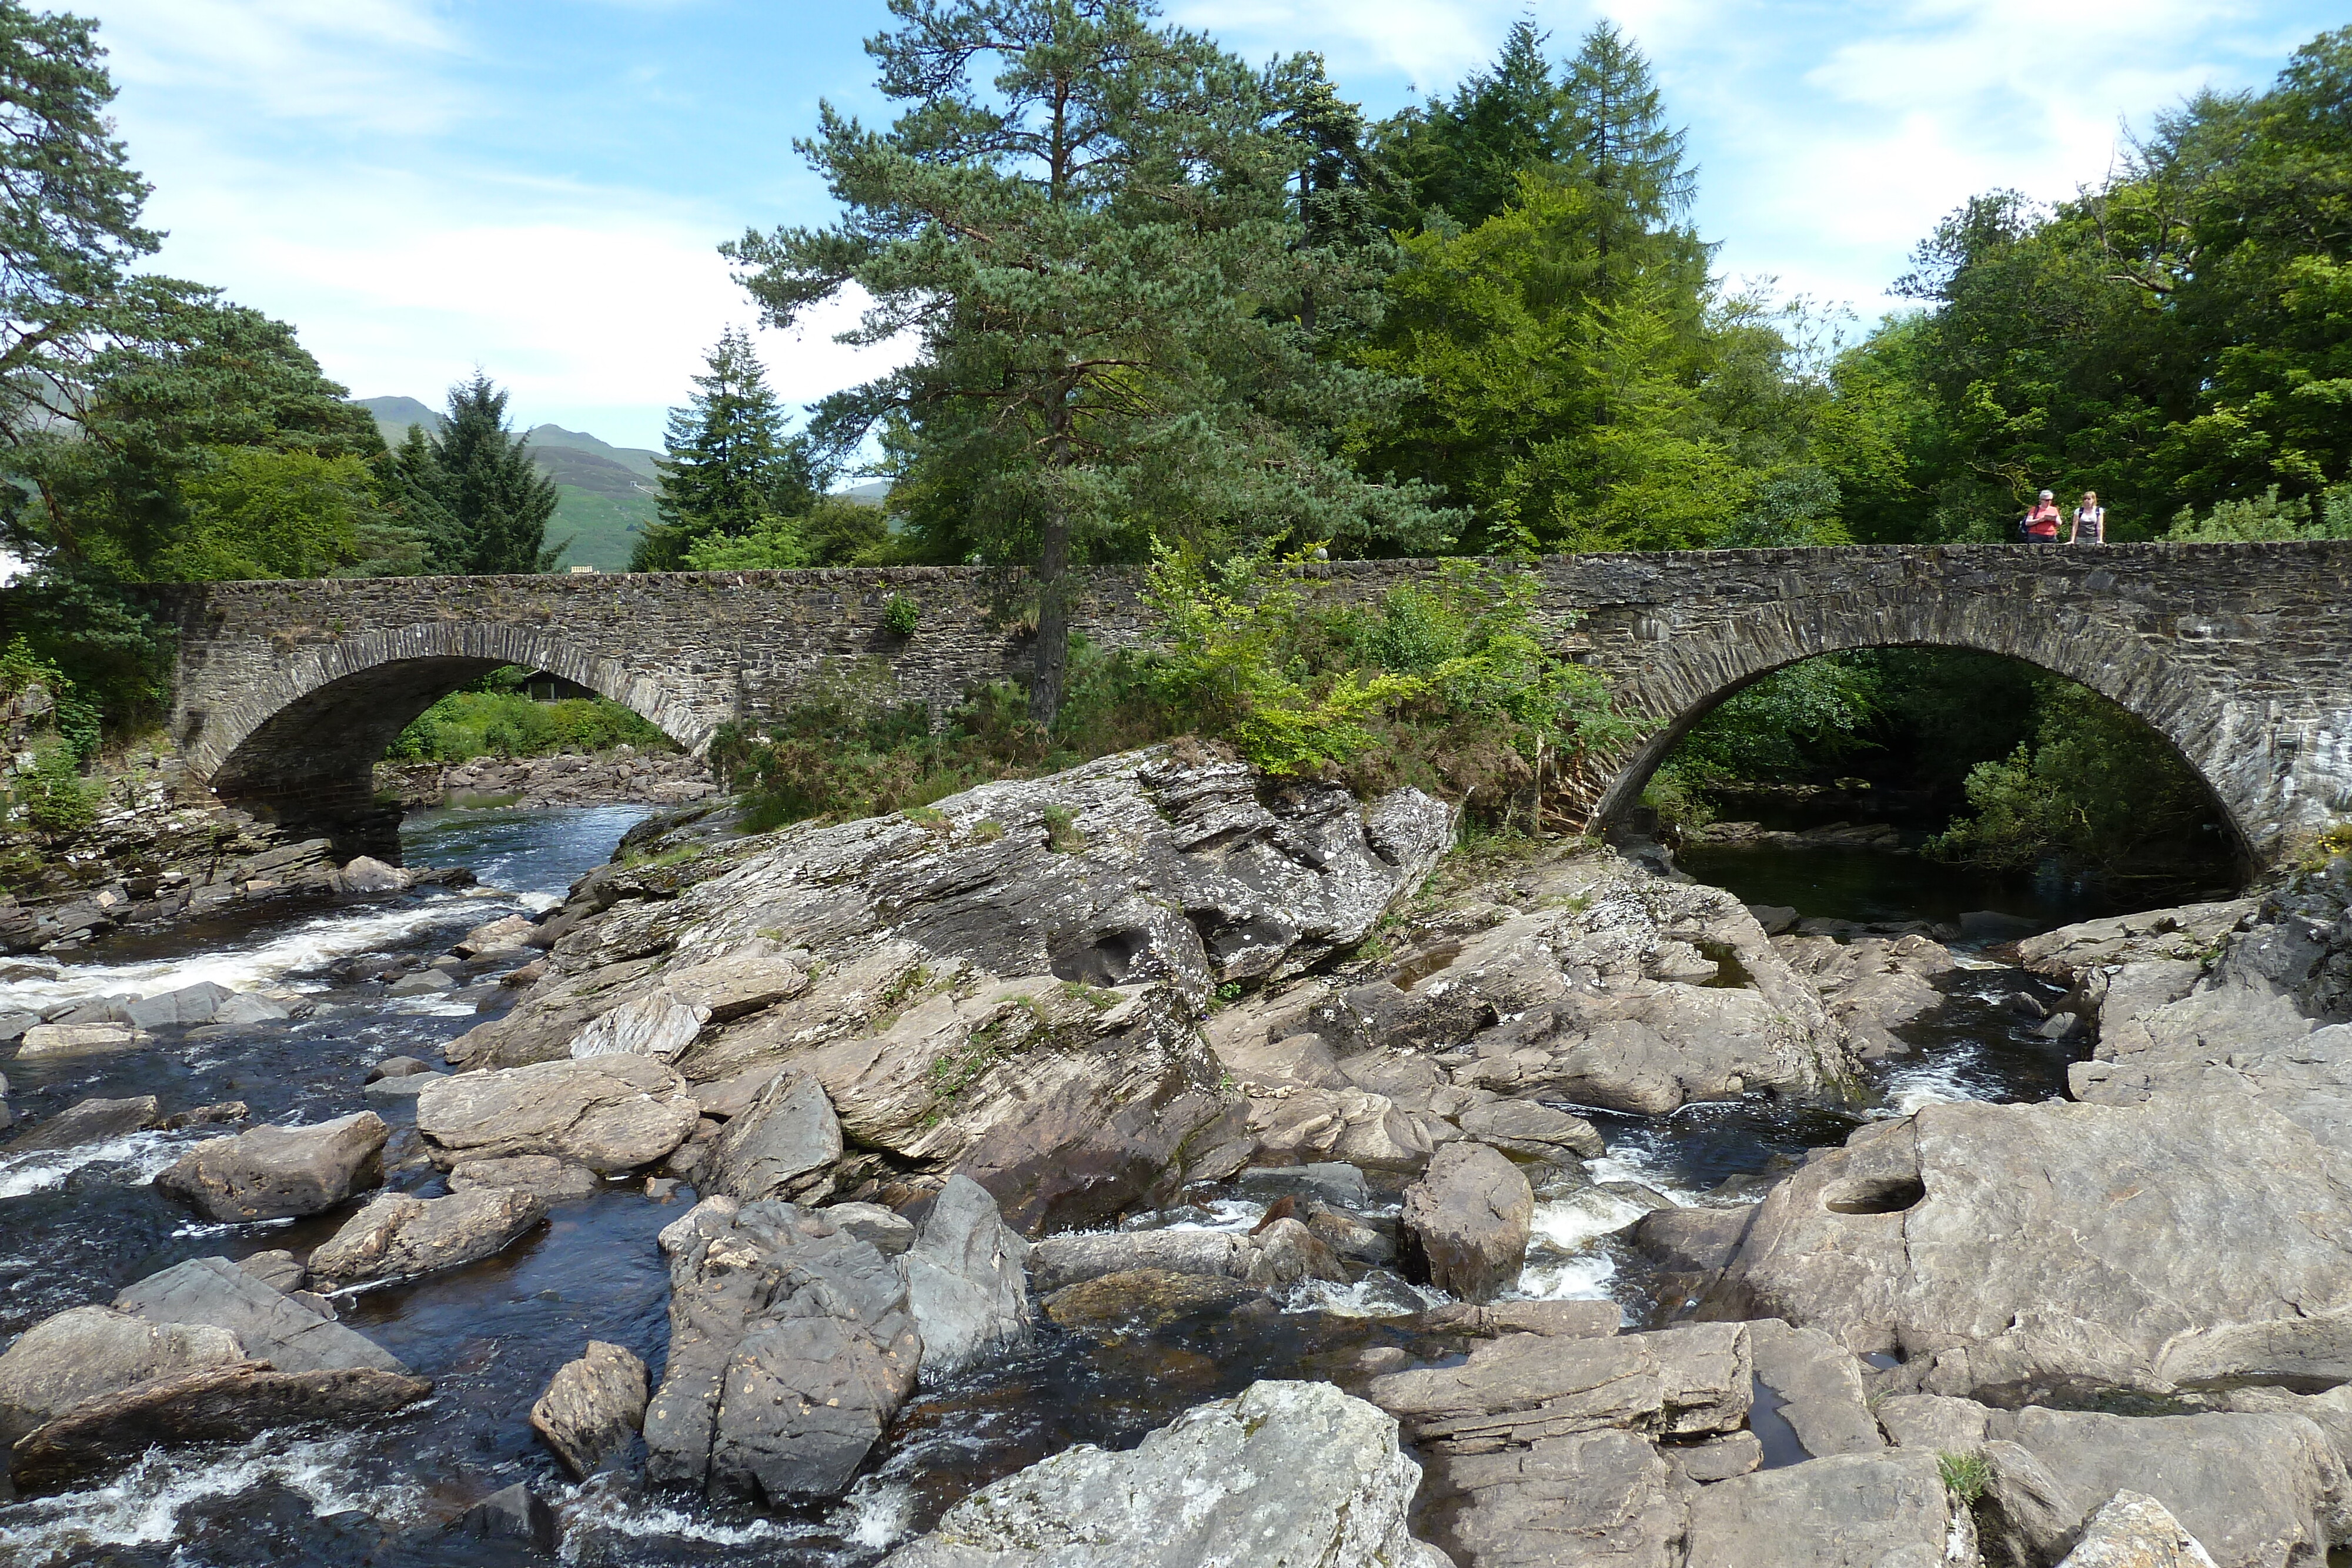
(769,1199)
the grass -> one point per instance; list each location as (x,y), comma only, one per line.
(1062,830)
(1966,1476)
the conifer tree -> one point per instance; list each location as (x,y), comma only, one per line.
(486,505)
(1615,139)
(730,469)
(1085,219)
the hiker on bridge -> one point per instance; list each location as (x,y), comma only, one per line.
(2090,522)
(2041,523)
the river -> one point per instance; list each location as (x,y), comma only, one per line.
(76,1226)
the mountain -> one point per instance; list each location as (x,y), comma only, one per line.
(604,494)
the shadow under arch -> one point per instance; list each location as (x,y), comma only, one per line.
(300,748)
(1685,679)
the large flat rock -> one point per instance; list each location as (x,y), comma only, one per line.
(2027,1250)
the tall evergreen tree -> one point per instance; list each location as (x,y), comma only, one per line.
(486,503)
(69,207)
(1086,220)
(1464,155)
(730,469)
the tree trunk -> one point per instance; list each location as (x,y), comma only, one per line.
(1053,654)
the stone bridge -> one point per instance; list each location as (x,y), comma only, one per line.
(2239,655)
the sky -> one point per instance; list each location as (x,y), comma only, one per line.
(537,187)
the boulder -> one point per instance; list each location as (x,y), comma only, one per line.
(609,1113)
(2210,1243)
(397,1067)
(2255,1490)
(790,1348)
(512,1513)
(247,1008)
(1286,1473)
(189,1005)
(507,931)
(967,1288)
(1070,1104)
(278,1269)
(784,1144)
(1144,1300)
(1281,1254)
(406,1087)
(1819,1385)
(274,1173)
(91,1122)
(2027,1518)
(398,1234)
(77,1039)
(544,1175)
(423,983)
(592,1406)
(1468,1222)
(888,1233)
(2131,1530)
(1606,1498)
(1535,1131)
(1517,1390)
(1889,1510)
(84,1352)
(268,1324)
(367,875)
(657,1024)
(227,1404)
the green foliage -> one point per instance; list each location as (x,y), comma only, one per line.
(1966,1476)
(2177,336)
(256,513)
(2267,517)
(1062,833)
(1230,653)
(69,208)
(502,722)
(731,473)
(832,532)
(1084,219)
(53,794)
(472,490)
(1795,720)
(2095,786)
(74,718)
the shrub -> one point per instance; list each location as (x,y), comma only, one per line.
(901,615)
(502,722)
(53,793)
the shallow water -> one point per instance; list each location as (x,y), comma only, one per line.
(75,1227)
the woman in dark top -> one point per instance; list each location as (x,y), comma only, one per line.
(2090,522)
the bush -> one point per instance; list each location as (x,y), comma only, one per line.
(502,722)
(901,615)
(2095,788)
(53,793)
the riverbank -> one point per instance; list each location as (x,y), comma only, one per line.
(623,775)
(1373,1112)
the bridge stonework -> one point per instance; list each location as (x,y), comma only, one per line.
(2239,655)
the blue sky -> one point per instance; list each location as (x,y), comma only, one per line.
(536,186)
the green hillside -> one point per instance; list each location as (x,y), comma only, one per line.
(605,494)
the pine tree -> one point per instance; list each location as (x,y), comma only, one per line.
(1085,219)
(1501,121)
(730,469)
(493,502)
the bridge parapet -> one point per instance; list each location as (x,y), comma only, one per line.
(2238,654)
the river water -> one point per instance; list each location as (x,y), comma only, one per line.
(76,1226)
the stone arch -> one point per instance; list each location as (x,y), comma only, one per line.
(300,747)
(1680,679)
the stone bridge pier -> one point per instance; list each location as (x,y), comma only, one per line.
(2239,655)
